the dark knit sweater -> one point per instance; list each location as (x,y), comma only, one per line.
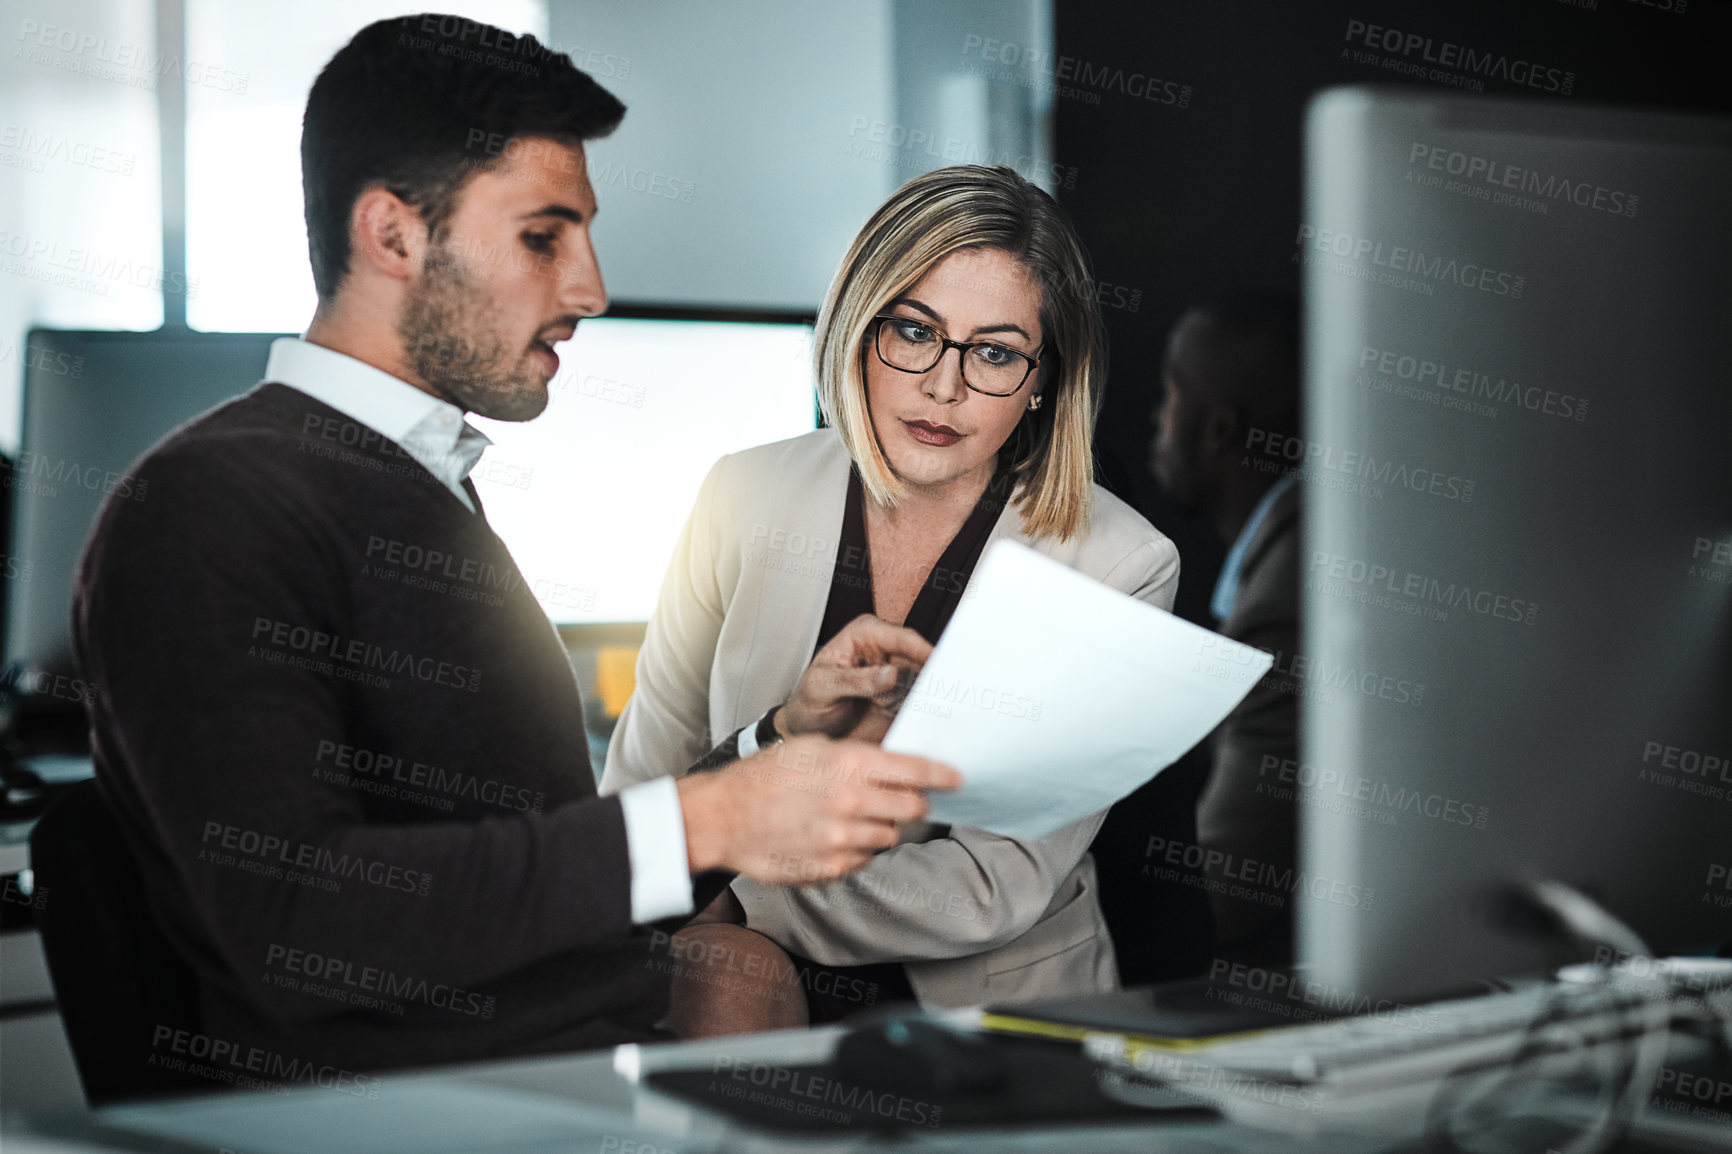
(347,750)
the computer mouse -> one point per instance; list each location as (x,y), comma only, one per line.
(917,1055)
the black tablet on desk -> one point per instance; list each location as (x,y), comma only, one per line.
(1045,1086)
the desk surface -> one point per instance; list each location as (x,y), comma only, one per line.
(595,1102)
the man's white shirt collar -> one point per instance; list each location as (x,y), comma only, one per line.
(430,430)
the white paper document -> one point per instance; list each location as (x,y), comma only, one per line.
(1055,696)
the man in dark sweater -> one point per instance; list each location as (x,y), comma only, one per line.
(339,733)
(1232,394)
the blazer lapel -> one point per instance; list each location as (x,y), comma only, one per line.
(792,557)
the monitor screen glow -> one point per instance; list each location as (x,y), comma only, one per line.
(591,496)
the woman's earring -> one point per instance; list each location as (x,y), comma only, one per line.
(1034,402)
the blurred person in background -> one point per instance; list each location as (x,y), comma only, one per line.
(1231,375)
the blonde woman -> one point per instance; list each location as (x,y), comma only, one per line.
(960,360)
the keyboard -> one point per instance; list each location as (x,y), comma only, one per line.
(1378,1066)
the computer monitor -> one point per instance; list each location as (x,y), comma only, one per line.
(1518,531)
(93,402)
(590,496)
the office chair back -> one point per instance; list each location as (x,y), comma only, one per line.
(116,978)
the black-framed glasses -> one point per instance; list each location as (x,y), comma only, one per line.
(913,346)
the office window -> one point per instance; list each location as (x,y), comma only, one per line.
(80,186)
(246,238)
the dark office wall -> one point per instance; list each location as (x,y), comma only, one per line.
(1181,120)
(1188,166)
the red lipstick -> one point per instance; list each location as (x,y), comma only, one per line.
(928,433)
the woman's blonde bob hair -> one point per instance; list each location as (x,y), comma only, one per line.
(974,207)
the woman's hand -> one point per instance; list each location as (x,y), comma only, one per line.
(855,683)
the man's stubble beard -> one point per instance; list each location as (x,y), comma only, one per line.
(451,334)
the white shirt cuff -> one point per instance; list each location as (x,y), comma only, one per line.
(748,743)
(655,840)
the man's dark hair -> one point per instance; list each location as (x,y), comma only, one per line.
(1242,351)
(417,104)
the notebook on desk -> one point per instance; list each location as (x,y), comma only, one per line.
(1178,1015)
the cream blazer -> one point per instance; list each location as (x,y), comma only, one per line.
(977,918)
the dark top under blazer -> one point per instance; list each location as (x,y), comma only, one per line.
(342,737)
(851,592)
